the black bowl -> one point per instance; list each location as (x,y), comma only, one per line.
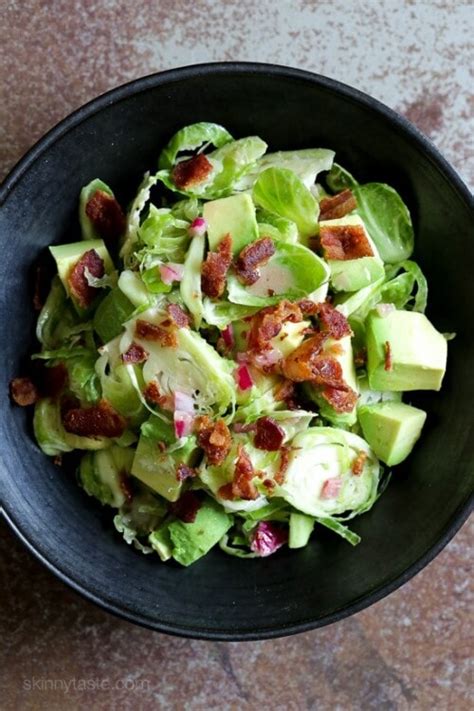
(118,137)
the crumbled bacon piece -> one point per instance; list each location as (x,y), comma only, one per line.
(77,280)
(244,473)
(191,172)
(297,366)
(214,438)
(344,242)
(268,322)
(269,434)
(58,460)
(151,332)
(153,395)
(135,354)
(184,472)
(333,322)
(332,208)
(225,492)
(106,215)
(308,307)
(342,398)
(23,391)
(388,365)
(252,257)
(97,421)
(215,267)
(187,506)
(326,371)
(283,465)
(178,315)
(357,466)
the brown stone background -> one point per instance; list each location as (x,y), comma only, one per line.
(412,650)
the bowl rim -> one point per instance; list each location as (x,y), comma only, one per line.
(136,86)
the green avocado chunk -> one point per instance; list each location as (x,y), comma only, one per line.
(66,257)
(233,215)
(193,540)
(157,469)
(404,352)
(391,428)
(353,274)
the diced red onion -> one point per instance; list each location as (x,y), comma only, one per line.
(228,336)
(385,309)
(268,538)
(243,377)
(198,227)
(183,402)
(183,423)
(331,488)
(171,272)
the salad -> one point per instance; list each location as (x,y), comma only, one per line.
(228,356)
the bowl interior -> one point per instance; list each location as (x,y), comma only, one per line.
(117,139)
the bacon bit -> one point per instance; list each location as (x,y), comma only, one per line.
(215,267)
(77,280)
(342,398)
(242,484)
(331,208)
(225,492)
(360,358)
(186,507)
(297,366)
(344,242)
(331,488)
(58,460)
(161,446)
(284,463)
(308,307)
(191,172)
(97,421)
(269,484)
(178,315)
(269,435)
(326,371)
(388,356)
(333,322)
(106,215)
(268,322)
(358,463)
(152,393)
(268,538)
(184,472)
(214,438)
(251,258)
(126,486)
(135,354)
(151,332)
(23,392)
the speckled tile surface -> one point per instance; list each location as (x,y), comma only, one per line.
(412,650)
